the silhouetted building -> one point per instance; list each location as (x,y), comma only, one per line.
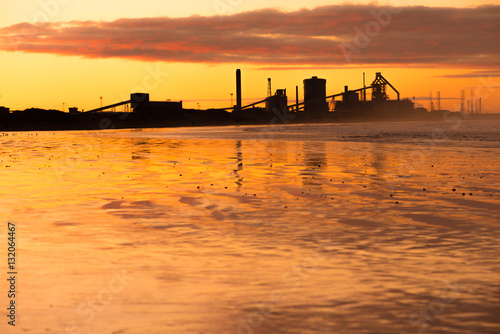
(141,103)
(278,101)
(73,110)
(379,107)
(315,95)
(138,99)
(350,96)
(4,110)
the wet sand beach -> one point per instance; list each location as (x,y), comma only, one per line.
(317,228)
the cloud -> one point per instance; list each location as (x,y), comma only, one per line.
(474,74)
(334,35)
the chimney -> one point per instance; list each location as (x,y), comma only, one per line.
(238,90)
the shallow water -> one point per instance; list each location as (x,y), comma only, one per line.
(343,228)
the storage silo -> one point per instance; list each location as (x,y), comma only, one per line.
(315,95)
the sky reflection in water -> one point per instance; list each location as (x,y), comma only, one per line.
(155,232)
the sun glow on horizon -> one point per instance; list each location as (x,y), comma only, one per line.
(48,81)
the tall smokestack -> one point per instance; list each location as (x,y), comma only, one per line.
(238,90)
(297,98)
(462,102)
(471,101)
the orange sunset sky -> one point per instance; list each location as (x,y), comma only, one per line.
(74,51)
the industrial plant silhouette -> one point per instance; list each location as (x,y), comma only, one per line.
(352,105)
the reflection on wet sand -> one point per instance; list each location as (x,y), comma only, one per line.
(144,232)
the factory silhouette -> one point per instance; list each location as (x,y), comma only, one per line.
(352,105)
(315,100)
